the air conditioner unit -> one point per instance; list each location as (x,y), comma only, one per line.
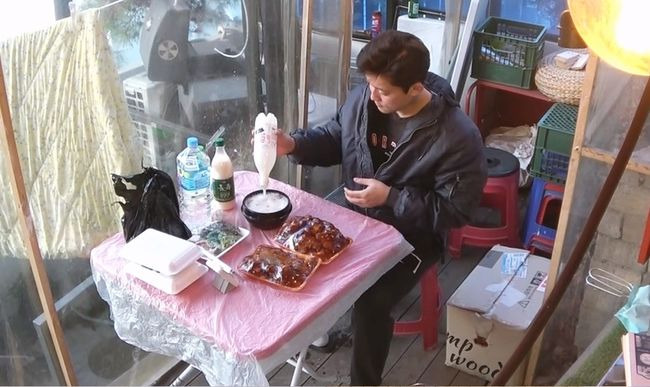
(151,98)
(146,96)
(145,134)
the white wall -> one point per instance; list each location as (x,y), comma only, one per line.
(19,16)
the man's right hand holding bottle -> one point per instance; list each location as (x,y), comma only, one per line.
(286,144)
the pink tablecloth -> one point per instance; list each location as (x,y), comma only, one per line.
(255,320)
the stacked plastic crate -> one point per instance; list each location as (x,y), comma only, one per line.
(550,165)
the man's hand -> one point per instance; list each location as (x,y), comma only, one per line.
(374,195)
(285,143)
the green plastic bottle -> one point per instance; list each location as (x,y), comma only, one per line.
(413,8)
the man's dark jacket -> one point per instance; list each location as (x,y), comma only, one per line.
(436,172)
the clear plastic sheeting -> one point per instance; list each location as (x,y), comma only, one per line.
(234,338)
(72,129)
(584,311)
(144,326)
(613,102)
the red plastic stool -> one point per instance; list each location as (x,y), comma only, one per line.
(501,193)
(430,304)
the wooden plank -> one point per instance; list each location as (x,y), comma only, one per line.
(408,364)
(314,359)
(413,363)
(338,363)
(317,359)
(463,379)
(30,240)
(303,92)
(437,373)
(406,309)
(608,158)
(567,201)
(345,50)
(407,361)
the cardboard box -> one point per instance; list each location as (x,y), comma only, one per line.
(491,310)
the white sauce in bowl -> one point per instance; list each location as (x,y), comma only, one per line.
(267,204)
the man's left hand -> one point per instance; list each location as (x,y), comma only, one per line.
(375,194)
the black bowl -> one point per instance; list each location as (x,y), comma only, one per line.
(265,220)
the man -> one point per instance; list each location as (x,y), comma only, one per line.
(410,158)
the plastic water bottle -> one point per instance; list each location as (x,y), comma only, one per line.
(264,146)
(193,172)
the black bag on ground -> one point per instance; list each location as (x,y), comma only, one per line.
(149,202)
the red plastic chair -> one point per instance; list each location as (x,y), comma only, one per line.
(499,193)
(430,305)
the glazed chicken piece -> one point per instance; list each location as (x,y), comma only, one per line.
(312,236)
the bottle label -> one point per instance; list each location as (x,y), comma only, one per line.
(223,190)
(191,180)
(375,27)
(413,9)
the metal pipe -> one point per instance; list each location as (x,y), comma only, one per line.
(186,377)
(591,225)
(298,370)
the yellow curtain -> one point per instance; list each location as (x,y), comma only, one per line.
(72,130)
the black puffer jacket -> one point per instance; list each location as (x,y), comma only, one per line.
(436,173)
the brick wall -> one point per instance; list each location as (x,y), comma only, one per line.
(616,249)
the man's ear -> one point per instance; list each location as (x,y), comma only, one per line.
(416,88)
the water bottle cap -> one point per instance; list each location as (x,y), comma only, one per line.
(192,142)
(219,142)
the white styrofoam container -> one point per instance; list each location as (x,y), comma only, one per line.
(161,252)
(170,284)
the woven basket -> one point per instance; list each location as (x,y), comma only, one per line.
(560,85)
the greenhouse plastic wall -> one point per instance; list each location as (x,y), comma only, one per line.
(584,311)
(24,361)
(242,58)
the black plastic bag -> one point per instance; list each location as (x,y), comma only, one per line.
(149,202)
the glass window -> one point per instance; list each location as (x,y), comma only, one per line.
(543,12)
(432,5)
(362,14)
(26,354)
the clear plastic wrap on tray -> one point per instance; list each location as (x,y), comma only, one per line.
(280,267)
(312,236)
(219,236)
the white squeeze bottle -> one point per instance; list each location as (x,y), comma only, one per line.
(264,146)
(221,176)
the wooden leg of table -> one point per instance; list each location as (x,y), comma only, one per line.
(298,370)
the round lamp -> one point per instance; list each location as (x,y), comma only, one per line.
(618,31)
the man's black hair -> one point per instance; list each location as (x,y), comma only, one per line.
(397,55)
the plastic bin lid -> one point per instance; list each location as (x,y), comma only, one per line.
(500,163)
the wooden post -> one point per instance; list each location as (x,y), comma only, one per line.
(567,201)
(303,92)
(29,237)
(586,236)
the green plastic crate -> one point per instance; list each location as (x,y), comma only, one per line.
(507,51)
(553,144)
